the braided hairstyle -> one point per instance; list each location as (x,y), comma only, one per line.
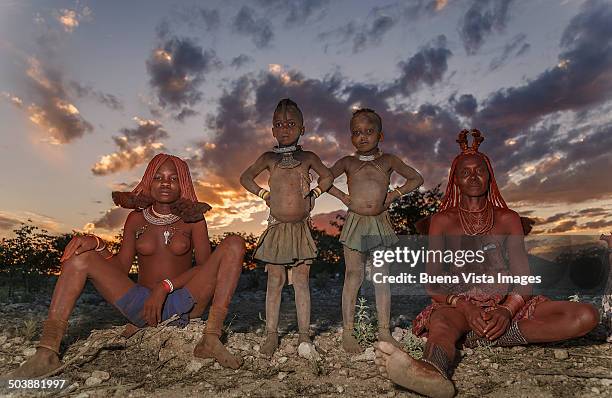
(452,195)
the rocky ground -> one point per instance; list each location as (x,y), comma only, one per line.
(158,362)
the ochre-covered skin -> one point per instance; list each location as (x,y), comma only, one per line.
(212,280)
(368,195)
(290,200)
(472,187)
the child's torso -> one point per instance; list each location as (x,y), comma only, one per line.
(368,183)
(288,188)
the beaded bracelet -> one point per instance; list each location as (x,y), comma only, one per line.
(263,193)
(168,285)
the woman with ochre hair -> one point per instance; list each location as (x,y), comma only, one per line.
(473,214)
(166,230)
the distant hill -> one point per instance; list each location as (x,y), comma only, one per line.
(322,221)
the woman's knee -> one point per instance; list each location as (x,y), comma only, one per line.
(585,318)
(235,244)
(79,263)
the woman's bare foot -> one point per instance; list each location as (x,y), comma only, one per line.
(41,363)
(417,376)
(385,335)
(349,343)
(211,347)
(270,344)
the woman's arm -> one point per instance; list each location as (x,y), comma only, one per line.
(337,170)
(127,251)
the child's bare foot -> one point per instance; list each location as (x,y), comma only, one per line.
(211,347)
(270,344)
(41,363)
(385,335)
(349,343)
(417,376)
(304,338)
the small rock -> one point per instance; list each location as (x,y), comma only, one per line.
(308,351)
(398,333)
(606,382)
(256,348)
(194,366)
(368,355)
(343,372)
(595,390)
(92,381)
(216,366)
(468,351)
(17,340)
(28,352)
(340,389)
(282,359)
(18,359)
(560,353)
(281,375)
(495,366)
(290,349)
(3,339)
(82,395)
(519,348)
(100,374)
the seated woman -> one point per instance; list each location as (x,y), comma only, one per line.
(165,230)
(495,314)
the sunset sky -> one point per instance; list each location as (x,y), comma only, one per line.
(91,90)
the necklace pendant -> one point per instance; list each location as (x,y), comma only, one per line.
(288,161)
(166,237)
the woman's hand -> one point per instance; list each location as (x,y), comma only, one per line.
(78,245)
(497,321)
(473,315)
(152,309)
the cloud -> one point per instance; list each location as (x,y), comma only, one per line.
(296,11)
(362,34)
(112,219)
(564,226)
(426,67)
(51,108)
(241,60)
(136,146)
(108,100)
(185,113)
(12,220)
(514,48)
(70,19)
(177,68)
(465,106)
(13,99)
(481,19)
(259,29)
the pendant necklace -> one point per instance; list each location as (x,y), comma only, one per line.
(287,161)
(161,219)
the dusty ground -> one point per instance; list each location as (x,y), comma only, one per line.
(158,362)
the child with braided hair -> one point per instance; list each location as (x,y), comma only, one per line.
(286,246)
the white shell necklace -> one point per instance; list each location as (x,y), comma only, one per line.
(161,219)
(369,158)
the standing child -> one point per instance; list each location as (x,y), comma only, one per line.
(287,243)
(367,223)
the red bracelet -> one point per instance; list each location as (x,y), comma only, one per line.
(168,286)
